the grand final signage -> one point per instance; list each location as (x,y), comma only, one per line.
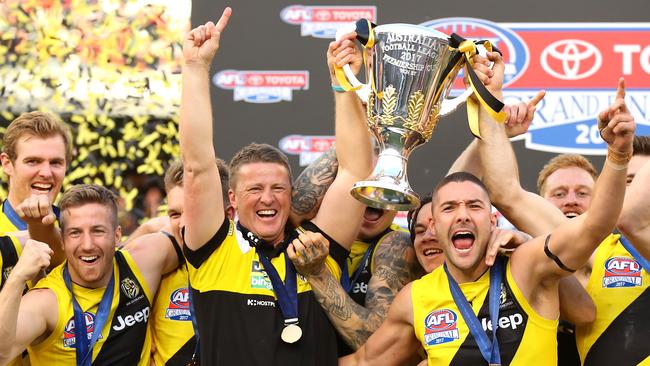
(578,64)
(323,21)
(262,86)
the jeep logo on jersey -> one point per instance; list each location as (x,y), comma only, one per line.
(511,321)
(323,21)
(440,327)
(578,64)
(262,86)
(622,272)
(68,330)
(131,320)
(179,305)
(130,288)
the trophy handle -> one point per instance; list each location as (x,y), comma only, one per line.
(450,105)
(346,78)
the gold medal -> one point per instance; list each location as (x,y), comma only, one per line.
(291,333)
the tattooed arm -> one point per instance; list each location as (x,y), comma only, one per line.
(395,265)
(311,185)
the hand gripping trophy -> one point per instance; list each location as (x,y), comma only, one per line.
(410,70)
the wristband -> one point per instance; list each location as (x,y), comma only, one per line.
(618,157)
(338,88)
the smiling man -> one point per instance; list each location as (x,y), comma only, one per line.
(97,288)
(252,308)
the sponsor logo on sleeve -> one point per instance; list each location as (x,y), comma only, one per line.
(262,86)
(323,21)
(179,305)
(440,326)
(622,272)
(69,340)
(578,64)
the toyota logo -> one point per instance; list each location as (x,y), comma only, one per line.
(571,59)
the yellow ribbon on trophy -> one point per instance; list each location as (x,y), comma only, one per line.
(491,104)
(366,37)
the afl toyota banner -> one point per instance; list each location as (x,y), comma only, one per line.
(271,80)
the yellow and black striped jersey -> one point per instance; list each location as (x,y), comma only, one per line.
(125,339)
(525,337)
(618,285)
(236,309)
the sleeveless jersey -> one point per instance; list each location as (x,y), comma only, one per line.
(237,313)
(618,285)
(125,339)
(525,337)
(171,320)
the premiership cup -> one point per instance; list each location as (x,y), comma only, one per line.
(410,70)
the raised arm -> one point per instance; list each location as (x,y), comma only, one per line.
(201,187)
(340,214)
(24,319)
(527,211)
(394,342)
(634,222)
(574,241)
(311,185)
(155,256)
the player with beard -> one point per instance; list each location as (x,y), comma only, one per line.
(251,307)
(106,293)
(528,305)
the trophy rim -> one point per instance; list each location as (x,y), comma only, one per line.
(412,197)
(411,29)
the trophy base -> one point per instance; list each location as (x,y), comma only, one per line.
(385,195)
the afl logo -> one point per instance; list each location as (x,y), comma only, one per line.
(441,320)
(129,288)
(515,52)
(180,299)
(571,59)
(622,266)
(68,329)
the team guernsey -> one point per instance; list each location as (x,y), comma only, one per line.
(236,308)
(359,248)
(525,337)
(125,339)
(171,319)
(618,285)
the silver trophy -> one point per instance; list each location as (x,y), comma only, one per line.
(410,70)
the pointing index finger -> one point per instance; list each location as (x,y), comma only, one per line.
(223,21)
(537,98)
(620,90)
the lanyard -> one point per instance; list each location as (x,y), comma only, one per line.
(84,347)
(287,292)
(345,277)
(13,217)
(197,349)
(635,253)
(489,350)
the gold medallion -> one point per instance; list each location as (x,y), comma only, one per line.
(291,333)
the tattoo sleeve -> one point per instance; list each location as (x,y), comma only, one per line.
(311,185)
(395,265)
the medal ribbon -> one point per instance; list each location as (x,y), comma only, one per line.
(489,350)
(84,347)
(195,326)
(345,277)
(287,292)
(492,105)
(635,253)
